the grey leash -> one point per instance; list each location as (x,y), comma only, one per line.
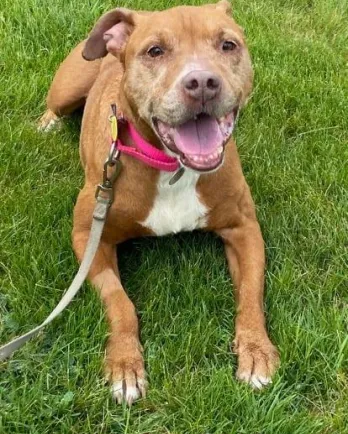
(99,217)
(104,197)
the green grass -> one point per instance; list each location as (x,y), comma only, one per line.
(293,140)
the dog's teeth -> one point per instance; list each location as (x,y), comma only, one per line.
(205,159)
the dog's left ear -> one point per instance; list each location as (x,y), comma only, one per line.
(224,6)
(110,33)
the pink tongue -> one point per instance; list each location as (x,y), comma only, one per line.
(201,136)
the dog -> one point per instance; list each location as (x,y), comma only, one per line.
(179,77)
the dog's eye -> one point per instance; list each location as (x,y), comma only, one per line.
(229,46)
(155,51)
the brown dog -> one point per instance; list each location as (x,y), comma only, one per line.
(179,77)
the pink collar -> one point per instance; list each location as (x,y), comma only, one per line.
(147,153)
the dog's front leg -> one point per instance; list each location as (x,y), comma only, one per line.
(257,357)
(124,362)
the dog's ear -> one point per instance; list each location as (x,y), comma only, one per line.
(110,33)
(224,6)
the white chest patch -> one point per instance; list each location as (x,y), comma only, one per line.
(177,207)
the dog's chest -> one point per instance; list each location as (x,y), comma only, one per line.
(176,207)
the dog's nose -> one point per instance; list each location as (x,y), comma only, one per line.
(201,85)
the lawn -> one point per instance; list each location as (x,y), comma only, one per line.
(292,138)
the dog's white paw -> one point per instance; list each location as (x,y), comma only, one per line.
(258,359)
(49,121)
(123,391)
(256,381)
(124,369)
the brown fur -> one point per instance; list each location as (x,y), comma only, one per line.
(225,192)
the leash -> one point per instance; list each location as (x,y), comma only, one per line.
(104,198)
(99,216)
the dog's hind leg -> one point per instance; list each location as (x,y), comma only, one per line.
(70,87)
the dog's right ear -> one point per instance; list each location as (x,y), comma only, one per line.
(110,34)
(224,6)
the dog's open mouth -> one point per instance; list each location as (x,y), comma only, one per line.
(199,142)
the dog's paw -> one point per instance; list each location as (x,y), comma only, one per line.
(258,359)
(125,370)
(49,121)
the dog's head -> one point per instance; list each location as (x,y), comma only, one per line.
(187,73)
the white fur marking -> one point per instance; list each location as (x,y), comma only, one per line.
(256,381)
(129,395)
(177,207)
(48,125)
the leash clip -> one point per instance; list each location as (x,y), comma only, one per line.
(114,154)
(106,188)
